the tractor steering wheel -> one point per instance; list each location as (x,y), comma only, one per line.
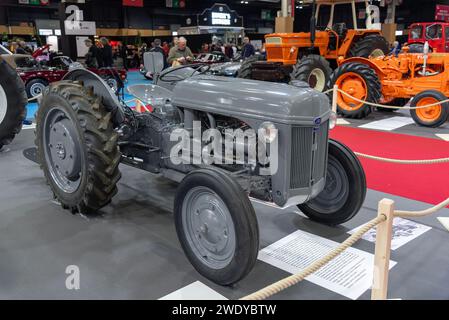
(204,67)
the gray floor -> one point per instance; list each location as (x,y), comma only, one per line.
(132,252)
(411,129)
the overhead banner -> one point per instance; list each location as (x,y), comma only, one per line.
(133,3)
(442,13)
(35,2)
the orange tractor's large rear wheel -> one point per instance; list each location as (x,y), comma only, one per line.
(360,82)
(434,116)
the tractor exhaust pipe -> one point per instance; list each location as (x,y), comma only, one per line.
(426,56)
(313,26)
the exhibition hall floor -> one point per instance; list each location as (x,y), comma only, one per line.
(130,250)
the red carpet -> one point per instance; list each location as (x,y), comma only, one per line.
(426,183)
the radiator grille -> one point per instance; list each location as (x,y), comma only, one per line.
(307,163)
(320,157)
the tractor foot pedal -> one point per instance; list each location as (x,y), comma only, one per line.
(31,154)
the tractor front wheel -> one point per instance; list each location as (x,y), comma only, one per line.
(77,147)
(358,81)
(313,69)
(345,189)
(431,117)
(13,103)
(216,225)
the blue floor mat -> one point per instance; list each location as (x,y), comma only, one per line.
(134,77)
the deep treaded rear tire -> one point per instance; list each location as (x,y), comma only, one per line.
(302,71)
(245,71)
(16,101)
(373,85)
(98,149)
(366,46)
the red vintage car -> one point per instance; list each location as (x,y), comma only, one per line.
(435,33)
(37,75)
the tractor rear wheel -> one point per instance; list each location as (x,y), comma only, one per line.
(370,46)
(359,81)
(246,69)
(77,147)
(216,225)
(431,117)
(13,103)
(345,189)
(313,69)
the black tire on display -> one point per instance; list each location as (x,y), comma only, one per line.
(370,46)
(345,189)
(77,147)
(35,87)
(313,69)
(216,225)
(432,117)
(245,71)
(13,103)
(360,81)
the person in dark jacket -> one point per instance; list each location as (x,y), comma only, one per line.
(248,49)
(92,54)
(158,48)
(107,53)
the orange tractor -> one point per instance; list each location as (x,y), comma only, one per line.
(311,56)
(394,80)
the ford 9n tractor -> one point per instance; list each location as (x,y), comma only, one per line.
(84,132)
(393,81)
(311,56)
(13,103)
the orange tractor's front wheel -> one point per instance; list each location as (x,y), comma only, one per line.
(433,116)
(358,81)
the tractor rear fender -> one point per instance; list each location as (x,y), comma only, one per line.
(368,62)
(101,89)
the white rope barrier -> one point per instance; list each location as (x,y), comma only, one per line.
(35,98)
(385,105)
(397,161)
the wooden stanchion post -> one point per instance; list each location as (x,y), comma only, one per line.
(334,99)
(382,252)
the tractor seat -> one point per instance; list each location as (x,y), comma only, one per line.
(340,29)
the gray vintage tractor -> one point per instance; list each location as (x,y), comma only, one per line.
(84,132)
(13,101)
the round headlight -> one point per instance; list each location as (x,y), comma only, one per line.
(268,131)
(333,120)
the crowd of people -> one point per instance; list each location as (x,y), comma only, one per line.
(20,47)
(101,54)
(230,50)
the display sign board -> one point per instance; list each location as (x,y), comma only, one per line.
(75,24)
(442,13)
(218,15)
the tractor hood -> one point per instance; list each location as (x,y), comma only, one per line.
(258,100)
